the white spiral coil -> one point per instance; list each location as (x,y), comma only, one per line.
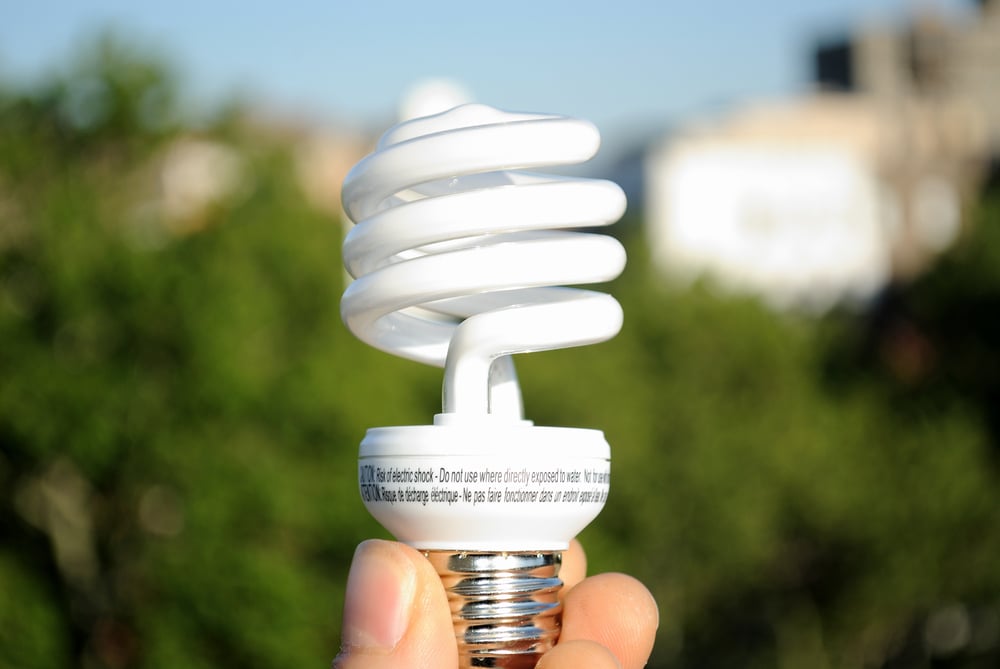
(459,255)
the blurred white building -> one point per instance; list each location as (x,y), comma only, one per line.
(824,199)
(784,203)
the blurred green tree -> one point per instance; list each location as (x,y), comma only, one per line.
(179,405)
(802,493)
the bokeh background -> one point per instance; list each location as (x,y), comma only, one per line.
(802,405)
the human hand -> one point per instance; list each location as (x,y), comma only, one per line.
(396,615)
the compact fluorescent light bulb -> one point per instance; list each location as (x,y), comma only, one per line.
(460,255)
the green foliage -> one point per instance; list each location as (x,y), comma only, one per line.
(180,408)
(181,388)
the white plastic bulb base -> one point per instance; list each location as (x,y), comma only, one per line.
(492,503)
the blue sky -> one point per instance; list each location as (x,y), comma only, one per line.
(628,65)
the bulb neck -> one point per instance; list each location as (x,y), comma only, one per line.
(505,605)
(479,420)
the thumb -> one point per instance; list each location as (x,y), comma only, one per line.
(395,612)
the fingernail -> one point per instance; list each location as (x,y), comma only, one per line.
(380,591)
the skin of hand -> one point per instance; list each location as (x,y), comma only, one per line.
(396,615)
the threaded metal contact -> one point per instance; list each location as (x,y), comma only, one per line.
(505,606)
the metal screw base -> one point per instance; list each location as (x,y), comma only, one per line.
(505,606)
